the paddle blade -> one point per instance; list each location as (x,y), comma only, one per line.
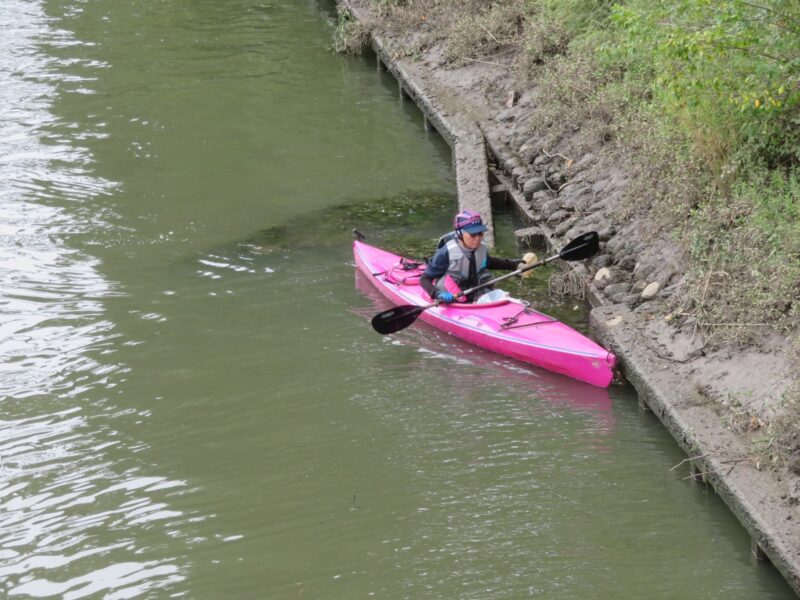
(395,319)
(581,247)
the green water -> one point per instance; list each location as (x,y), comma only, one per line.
(193,401)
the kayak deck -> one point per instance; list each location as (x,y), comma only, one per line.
(509,327)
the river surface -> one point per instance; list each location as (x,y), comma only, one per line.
(193,403)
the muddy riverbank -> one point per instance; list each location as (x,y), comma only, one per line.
(566,182)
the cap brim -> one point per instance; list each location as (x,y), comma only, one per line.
(476,228)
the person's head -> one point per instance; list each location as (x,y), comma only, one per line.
(469,228)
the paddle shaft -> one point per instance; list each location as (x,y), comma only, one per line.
(578,249)
(400,317)
(509,275)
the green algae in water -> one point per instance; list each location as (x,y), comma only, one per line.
(409,223)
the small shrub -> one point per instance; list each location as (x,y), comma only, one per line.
(543,39)
(727,72)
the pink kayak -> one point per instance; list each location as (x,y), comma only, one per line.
(509,326)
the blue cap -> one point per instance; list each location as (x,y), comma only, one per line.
(469,221)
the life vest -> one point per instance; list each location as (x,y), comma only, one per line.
(458,258)
(446,238)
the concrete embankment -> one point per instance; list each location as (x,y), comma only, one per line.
(461,133)
(767,503)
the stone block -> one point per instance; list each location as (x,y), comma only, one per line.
(531,237)
(532,186)
(650,291)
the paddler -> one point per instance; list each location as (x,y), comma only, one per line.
(462,261)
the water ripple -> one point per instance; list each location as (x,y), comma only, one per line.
(50,294)
(72,516)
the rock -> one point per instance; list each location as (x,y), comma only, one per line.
(597,207)
(642,271)
(551,206)
(531,237)
(614,277)
(541,160)
(617,292)
(794,463)
(529,150)
(593,222)
(558,217)
(631,300)
(601,285)
(650,291)
(603,260)
(603,275)
(578,229)
(518,172)
(615,244)
(556,179)
(667,292)
(511,163)
(512,98)
(584,160)
(638,286)
(563,228)
(626,262)
(507,116)
(606,233)
(525,99)
(576,199)
(532,186)
(543,196)
(667,276)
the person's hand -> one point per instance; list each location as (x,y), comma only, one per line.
(445,297)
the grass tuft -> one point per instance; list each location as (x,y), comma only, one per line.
(496,27)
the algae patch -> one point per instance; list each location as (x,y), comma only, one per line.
(407,223)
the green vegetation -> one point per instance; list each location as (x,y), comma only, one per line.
(351,36)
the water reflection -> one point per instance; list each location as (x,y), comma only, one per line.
(543,384)
(492,444)
(68,506)
(50,294)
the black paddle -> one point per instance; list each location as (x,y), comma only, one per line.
(400,317)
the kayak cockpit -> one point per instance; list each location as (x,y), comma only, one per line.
(408,273)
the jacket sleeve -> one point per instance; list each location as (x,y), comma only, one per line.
(427,284)
(437,266)
(503,264)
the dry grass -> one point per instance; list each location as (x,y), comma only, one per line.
(492,29)
(566,284)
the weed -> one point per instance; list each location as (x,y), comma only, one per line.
(351,36)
